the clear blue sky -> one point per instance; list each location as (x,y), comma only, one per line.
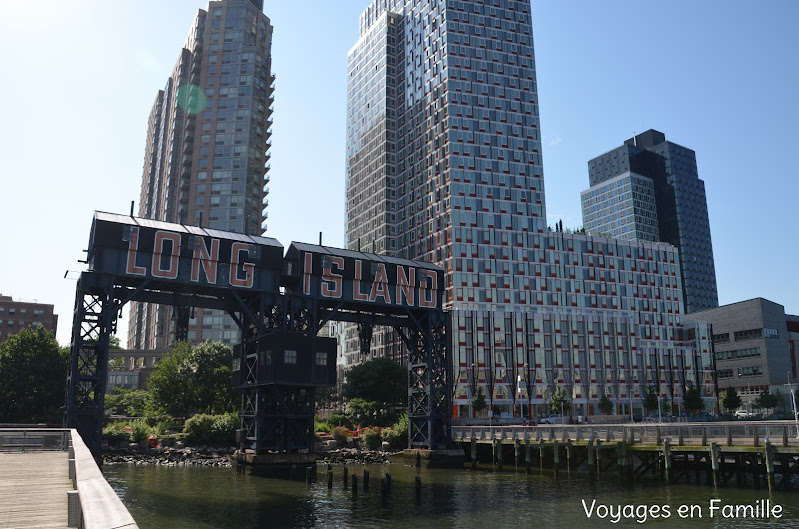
(719,77)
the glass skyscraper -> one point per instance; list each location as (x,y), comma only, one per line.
(444,164)
(207,150)
(649,189)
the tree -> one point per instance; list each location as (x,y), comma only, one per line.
(692,400)
(766,400)
(378,380)
(193,380)
(559,402)
(650,400)
(170,390)
(126,401)
(479,401)
(732,401)
(209,368)
(605,405)
(33,375)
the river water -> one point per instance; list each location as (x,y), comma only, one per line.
(189,497)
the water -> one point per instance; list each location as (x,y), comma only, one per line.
(178,497)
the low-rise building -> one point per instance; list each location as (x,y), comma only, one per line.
(755,347)
(16,315)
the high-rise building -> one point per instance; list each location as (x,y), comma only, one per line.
(207,149)
(444,164)
(649,189)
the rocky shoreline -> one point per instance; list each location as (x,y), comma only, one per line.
(193,456)
(221,457)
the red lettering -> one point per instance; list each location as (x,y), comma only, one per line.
(423,299)
(249,268)
(356,284)
(158,252)
(329,277)
(306,274)
(133,249)
(208,260)
(405,285)
(380,285)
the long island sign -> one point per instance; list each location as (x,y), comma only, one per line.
(192,258)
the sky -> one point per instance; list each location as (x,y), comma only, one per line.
(720,77)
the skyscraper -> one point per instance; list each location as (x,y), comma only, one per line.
(649,189)
(444,164)
(207,148)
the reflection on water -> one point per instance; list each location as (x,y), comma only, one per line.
(174,497)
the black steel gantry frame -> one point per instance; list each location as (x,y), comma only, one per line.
(273,417)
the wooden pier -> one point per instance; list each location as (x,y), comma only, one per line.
(33,489)
(758,454)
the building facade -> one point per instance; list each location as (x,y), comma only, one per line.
(649,189)
(755,347)
(16,315)
(444,164)
(207,150)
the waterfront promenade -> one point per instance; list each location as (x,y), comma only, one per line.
(41,470)
(33,489)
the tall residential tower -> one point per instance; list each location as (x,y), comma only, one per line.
(207,148)
(649,189)
(444,164)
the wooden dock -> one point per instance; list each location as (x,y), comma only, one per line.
(749,454)
(33,489)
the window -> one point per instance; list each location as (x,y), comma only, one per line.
(321,359)
(751,334)
(290,357)
(750,371)
(721,338)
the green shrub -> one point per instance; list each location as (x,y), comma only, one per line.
(397,435)
(140,430)
(166,423)
(372,439)
(320,425)
(340,435)
(340,420)
(212,429)
(115,433)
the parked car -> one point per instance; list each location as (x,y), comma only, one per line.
(742,414)
(553,419)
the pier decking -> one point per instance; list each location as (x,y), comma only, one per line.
(33,489)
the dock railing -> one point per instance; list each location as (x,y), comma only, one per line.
(745,433)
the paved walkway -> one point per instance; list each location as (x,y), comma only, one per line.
(33,489)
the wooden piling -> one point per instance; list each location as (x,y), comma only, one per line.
(729,436)
(527,454)
(756,437)
(704,436)
(474,452)
(714,462)
(681,440)
(667,457)
(418,459)
(768,456)
(366,480)
(541,453)
(516,452)
(598,456)
(556,456)
(308,475)
(346,475)
(784,436)
(499,454)
(569,455)
(388,482)
(330,479)
(355,484)
(591,458)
